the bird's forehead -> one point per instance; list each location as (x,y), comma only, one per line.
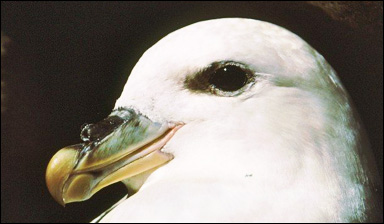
(263,46)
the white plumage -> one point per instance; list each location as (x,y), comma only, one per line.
(285,150)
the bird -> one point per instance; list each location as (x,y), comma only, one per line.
(226,120)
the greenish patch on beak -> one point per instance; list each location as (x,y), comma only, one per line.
(124,145)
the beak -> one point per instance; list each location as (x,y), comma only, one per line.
(123,145)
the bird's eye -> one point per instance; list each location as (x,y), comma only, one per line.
(228,78)
(225,78)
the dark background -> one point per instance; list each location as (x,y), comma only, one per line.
(67,63)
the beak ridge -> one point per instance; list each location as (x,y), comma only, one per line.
(123,145)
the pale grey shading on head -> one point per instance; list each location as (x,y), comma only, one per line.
(284,144)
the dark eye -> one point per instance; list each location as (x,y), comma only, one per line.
(228,78)
(224,78)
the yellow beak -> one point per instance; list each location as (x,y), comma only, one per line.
(122,146)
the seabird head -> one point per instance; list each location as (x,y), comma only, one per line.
(227,99)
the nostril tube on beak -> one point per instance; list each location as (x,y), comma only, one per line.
(85,134)
(123,145)
(96,132)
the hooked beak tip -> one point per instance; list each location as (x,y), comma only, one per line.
(58,171)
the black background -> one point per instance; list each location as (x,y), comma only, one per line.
(68,62)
